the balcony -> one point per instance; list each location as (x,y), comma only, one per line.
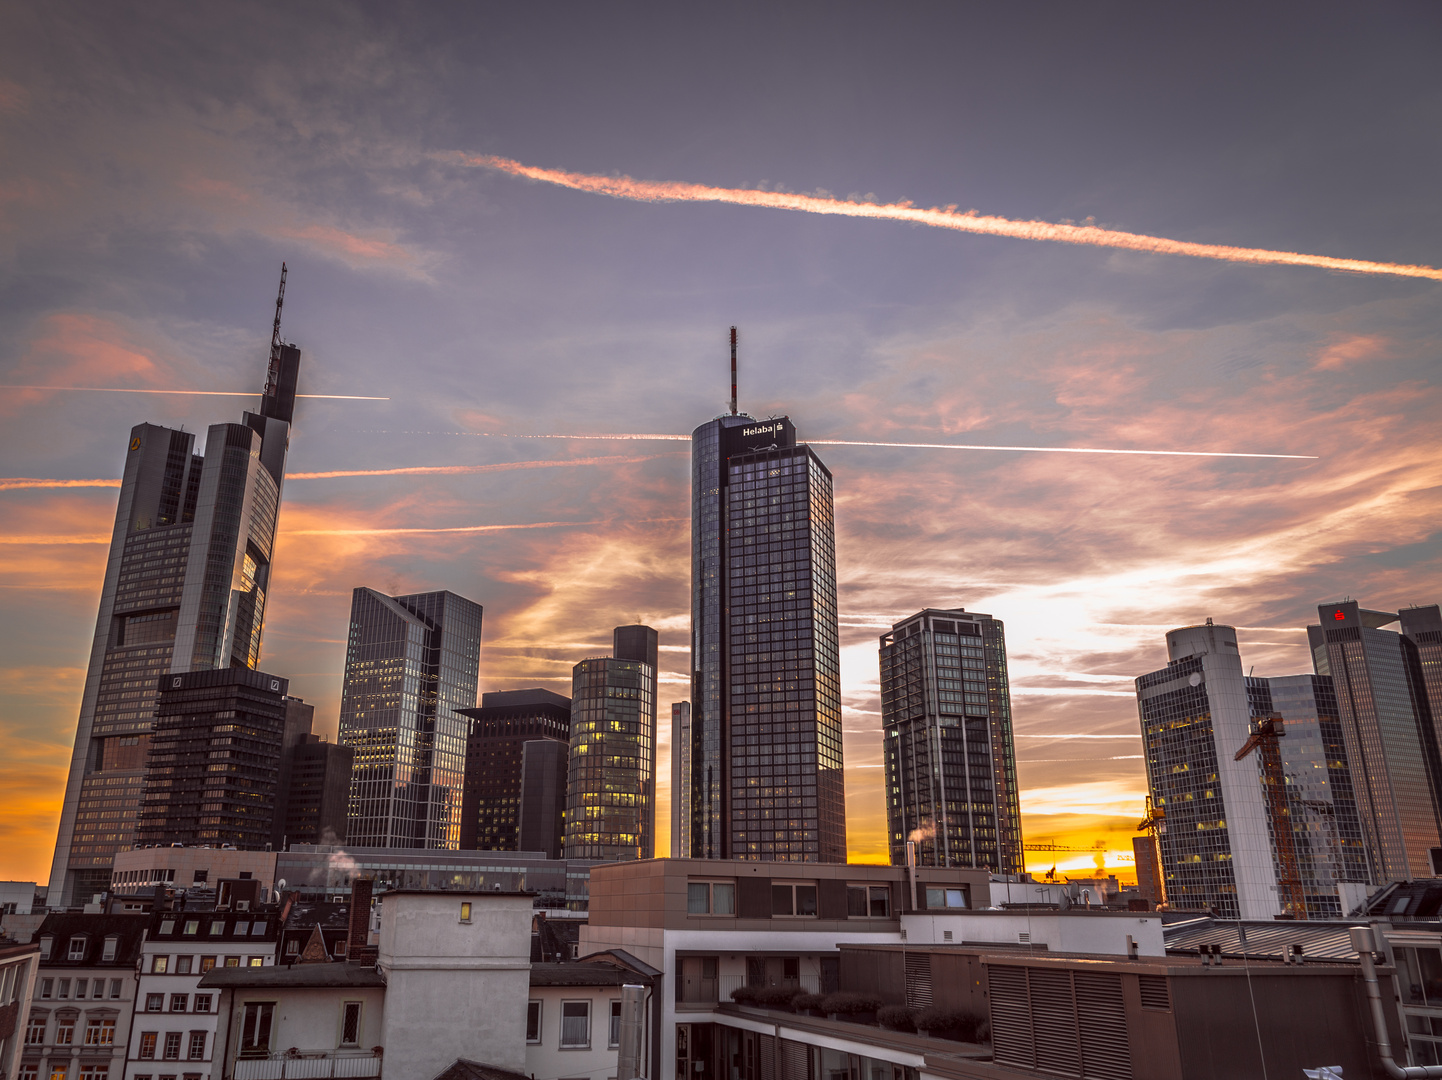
(309,1065)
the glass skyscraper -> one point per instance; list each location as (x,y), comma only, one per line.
(949,754)
(411,662)
(766,771)
(506,732)
(1388,723)
(185,589)
(681,780)
(611,772)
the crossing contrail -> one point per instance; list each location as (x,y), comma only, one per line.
(945,217)
(12,483)
(504,466)
(904,445)
(193,393)
(411,531)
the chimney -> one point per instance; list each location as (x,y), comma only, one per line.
(358,947)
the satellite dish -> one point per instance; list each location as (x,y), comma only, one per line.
(280,885)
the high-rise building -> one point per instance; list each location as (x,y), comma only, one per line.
(1326,834)
(317,797)
(299,718)
(411,663)
(501,729)
(213,767)
(544,764)
(611,775)
(1388,723)
(185,589)
(766,771)
(681,780)
(948,750)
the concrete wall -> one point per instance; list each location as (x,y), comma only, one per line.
(1073,932)
(308,1019)
(19,893)
(455,989)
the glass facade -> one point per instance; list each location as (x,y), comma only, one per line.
(766,766)
(949,754)
(1388,727)
(184,589)
(681,780)
(411,663)
(611,777)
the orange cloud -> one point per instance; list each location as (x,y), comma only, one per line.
(1352,349)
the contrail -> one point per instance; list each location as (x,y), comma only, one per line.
(11,483)
(947,217)
(463,528)
(904,445)
(201,393)
(505,466)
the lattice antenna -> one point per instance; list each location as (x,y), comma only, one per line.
(733,369)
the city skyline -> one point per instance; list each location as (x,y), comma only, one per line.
(144,221)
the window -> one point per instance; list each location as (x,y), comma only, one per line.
(47,988)
(533,1022)
(613,1038)
(575,1025)
(81,985)
(160,964)
(292,947)
(242,927)
(100,1033)
(258,928)
(57,1070)
(35,1033)
(793,899)
(63,989)
(112,944)
(255,1028)
(179,1002)
(114,988)
(167,926)
(196,1050)
(466,911)
(77,948)
(154,1002)
(192,927)
(256,961)
(232,961)
(172,1046)
(868,901)
(182,964)
(95,1071)
(711,898)
(65,1031)
(206,963)
(32,1072)
(945,898)
(201,877)
(147,1045)
(46,944)
(350,1018)
(202,1003)
(217,926)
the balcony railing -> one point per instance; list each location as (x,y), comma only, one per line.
(321,1065)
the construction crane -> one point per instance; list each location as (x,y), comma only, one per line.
(1154,824)
(1274,782)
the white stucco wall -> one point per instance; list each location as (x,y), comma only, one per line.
(455,989)
(1076,932)
(309,1019)
(547,1059)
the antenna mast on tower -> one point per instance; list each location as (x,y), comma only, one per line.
(272,375)
(733,364)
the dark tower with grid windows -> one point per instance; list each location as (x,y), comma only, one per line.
(949,754)
(765,755)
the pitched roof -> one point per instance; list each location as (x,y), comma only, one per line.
(465,1069)
(300,976)
(582,974)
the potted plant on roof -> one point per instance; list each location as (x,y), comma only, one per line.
(808,1004)
(856,1008)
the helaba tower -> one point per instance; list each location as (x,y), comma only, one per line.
(185,590)
(766,772)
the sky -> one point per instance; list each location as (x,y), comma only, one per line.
(160,160)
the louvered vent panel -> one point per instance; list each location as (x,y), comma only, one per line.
(1053,1019)
(1010,1016)
(768,1057)
(1155,994)
(918,980)
(1102,1020)
(795,1060)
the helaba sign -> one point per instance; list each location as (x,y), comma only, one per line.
(761,429)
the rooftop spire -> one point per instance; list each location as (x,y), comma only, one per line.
(733,365)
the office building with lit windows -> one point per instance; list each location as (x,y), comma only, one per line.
(411,663)
(681,780)
(765,757)
(1387,688)
(516,736)
(185,589)
(948,750)
(611,775)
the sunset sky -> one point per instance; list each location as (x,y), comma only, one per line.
(160,160)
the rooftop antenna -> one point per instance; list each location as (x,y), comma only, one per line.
(733,366)
(272,375)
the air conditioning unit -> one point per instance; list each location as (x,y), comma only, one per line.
(242,905)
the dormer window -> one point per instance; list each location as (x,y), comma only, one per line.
(112,944)
(46,943)
(77,949)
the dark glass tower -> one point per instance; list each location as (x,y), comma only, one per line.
(509,726)
(766,773)
(411,663)
(949,754)
(185,589)
(1388,717)
(213,770)
(611,777)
